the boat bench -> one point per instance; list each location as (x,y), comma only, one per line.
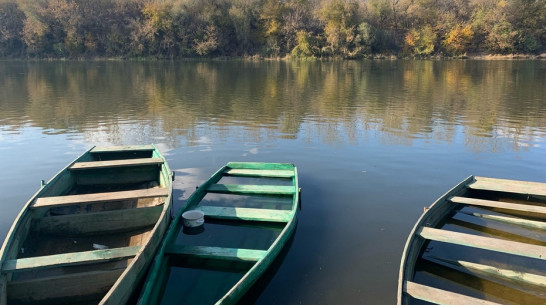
(115,163)
(251,189)
(232,254)
(99,197)
(66,259)
(248,214)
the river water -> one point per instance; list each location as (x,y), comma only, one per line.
(374,143)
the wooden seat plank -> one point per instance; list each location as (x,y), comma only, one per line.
(247,214)
(106,149)
(510,220)
(99,197)
(233,254)
(251,189)
(481,242)
(115,163)
(65,259)
(260,173)
(260,165)
(509,186)
(442,297)
(500,205)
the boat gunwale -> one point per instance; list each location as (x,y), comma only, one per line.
(414,242)
(26,211)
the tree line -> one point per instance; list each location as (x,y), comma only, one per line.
(270,28)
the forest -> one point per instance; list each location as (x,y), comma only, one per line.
(269,28)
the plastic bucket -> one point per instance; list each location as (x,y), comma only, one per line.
(193,218)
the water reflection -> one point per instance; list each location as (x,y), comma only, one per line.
(493,105)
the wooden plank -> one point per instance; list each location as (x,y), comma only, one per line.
(260,173)
(538,210)
(500,273)
(247,214)
(442,297)
(480,242)
(77,286)
(115,163)
(510,220)
(233,254)
(509,186)
(128,148)
(99,222)
(260,165)
(65,259)
(251,189)
(100,197)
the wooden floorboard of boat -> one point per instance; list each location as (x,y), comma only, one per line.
(481,242)
(509,186)
(510,220)
(66,259)
(99,197)
(115,163)
(539,211)
(249,214)
(77,285)
(442,297)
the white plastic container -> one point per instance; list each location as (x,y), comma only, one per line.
(193,218)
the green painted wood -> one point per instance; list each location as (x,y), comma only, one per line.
(487,243)
(259,165)
(509,186)
(116,163)
(510,220)
(100,222)
(495,272)
(233,254)
(260,173)
(251,189)
(63,288)
(99,197)
(432,216)
(536,210)
(442,297)
(66,259)
(128,148)
(247,214)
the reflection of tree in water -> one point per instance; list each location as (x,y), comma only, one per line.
(500,104)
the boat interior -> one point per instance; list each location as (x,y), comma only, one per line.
(490,246)
(85,226)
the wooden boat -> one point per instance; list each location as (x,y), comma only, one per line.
(246,226)
(483,242)
(88,235)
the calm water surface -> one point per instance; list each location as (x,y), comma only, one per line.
(374,143)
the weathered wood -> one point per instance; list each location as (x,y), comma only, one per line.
(260,165)
(129,148)
(480,242)
(442,297)
(117,175)
(233,254)
(509,186)
(77,286)
(510,220)
(260,173)
(98,222)
(251,189)
(535,210)
(500,273)
(115,163)
(99,197)
(247,214)
(65,259)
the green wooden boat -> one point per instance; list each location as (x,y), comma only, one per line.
(89,234)
(250,214)
(483,242)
